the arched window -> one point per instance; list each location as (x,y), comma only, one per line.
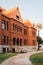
(20,42)
(14,41)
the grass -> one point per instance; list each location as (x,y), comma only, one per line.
(6,56)
(37,59)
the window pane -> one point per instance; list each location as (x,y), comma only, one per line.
(25,42)
(17,17)
(3,25)
(3,39)
(7,39)
(7,26)
(13,26)
(25,32)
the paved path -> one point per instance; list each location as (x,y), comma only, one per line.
(21,59)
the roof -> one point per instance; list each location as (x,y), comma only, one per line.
(10,11)
(11,14)
(27,23)
(2,8)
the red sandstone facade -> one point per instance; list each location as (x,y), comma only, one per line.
(15,34)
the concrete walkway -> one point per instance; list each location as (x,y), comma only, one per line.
(21,59)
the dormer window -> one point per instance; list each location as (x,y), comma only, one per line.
(17,17)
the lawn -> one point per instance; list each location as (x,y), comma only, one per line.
(37,59)
(6,56)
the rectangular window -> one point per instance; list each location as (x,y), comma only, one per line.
(3,24)
(25,32)
(7,26)
(4,40)
(7,39)
(13,26)
(25,42)
(20,29)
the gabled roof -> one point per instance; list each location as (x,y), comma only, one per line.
(13,12)
(27,23)
(10,11)
(2,8)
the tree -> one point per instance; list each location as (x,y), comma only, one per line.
(42,41)
(39,27)
(39,40)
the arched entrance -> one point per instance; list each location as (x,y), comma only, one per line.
(17,41)
(14,41)
(20,42)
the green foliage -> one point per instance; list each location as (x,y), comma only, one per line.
(37,59)
(42,41)
(6,56)
(39,39)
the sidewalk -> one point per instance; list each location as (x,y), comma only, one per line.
(21,59)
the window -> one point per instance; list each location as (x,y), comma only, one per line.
(20,29)
(25,42)
(4,39)
(13,26)
(17,28)
(7,39)
(17,17)
(7,26)
(14,41)
(25,32)
(20,42)
(3,24)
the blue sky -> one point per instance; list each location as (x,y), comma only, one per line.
(30,9)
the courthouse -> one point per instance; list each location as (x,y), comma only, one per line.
(16,34)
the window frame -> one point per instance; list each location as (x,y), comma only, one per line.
(17,17)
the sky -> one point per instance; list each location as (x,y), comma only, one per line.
(30,9)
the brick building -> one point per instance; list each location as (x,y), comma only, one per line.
(15,34)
